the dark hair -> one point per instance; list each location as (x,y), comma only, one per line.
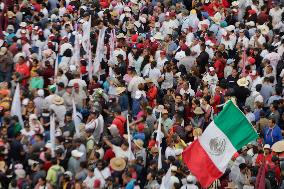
(258,87)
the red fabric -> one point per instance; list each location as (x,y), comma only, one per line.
(260,179)
(261,158)
(219,66)
(24,70)
(197,160)
(217,101)
(109,154)
(152,95)
(119,121)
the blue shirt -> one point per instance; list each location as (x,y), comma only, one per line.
(123,102)
(272,135)
(131,184)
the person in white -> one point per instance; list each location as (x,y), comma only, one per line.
(133,84)
(243,39)
(191,183)
(257,40)
(88,183)
(276,14)
(172,151)
(254,79)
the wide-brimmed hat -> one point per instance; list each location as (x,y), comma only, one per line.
(154,149)
(77,153)
(278,146)
(10,14)
(243,82)
(158,36)
(148,80)
(120,35)
(139,143)
(117,164)
(58,100)
(198,111)
(266,146)
(120,90)
(3,51)
(197,132)
(264,29)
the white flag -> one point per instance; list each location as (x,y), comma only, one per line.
(16,108)
(159,141)
(111,52)
(75,118)
(86,35)
(130,154)
(99,50)
(166,180)
(52,134)
(56,67)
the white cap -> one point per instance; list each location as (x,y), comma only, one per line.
(77,153)
(174,168)
(266,146)
(211,69)
(191,179)
(40,92)
(68,173)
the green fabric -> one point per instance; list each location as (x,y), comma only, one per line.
(17,128)
(36,83)
(233,123)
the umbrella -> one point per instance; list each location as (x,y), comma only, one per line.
(278,146)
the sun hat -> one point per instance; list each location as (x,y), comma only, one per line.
(158,36)
(139,143)
(3,51)
(154,149)
(23,24)
(230,28)
(77,153)
(165,111)
(68,173)
(198,111)
(40,93)
(10,27)
(117,164)
(197,132)
(243,82)
(58,100)
(120,90)
(148,80)
(250,23)
(278,146)
(174,168)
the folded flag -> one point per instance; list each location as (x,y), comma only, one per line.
(207,157)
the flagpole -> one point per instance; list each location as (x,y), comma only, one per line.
(52,134)
(130,157)
(158,140)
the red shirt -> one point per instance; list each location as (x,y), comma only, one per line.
(152,95)
(24,70)
(219,67)
(119,121)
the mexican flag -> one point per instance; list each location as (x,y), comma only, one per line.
(208,156)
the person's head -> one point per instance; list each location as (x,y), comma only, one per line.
(178,98)
(151,176)
(271,122)
(258,87)
(21,60)
(273,107)
(125,146)
(243,168)
(68,116)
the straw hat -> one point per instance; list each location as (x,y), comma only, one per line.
(243,82)
(117,164)
(139,143)
(10,14)
(197,132)
(148,80)
(3,51)
(264,29)
(198,111)
(154,149)
(58,100)
(120,35)
(278,146)
(120,90)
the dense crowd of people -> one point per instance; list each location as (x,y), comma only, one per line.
(96,78)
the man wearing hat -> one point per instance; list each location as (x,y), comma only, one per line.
(74,161)
(59,109)
(191,182)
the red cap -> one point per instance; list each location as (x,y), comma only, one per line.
(134,38)
(151,143)
(69,8)
(76,85)
(104,5)
(251,60)
(140,127)
(140,46)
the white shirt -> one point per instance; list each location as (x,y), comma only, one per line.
(133,85)
(261,41)
(244,41)
(119,152)
(155,74)
(89,182)
(189,186)
(81,83)
(258,97)
(172,152)
(250,116)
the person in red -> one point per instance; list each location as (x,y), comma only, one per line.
(264,157)
(262,16)
(119,121)
(216,99)
(219,65)
(22,68)
(152,92)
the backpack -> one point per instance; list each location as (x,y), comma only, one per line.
(250,101)
(271,176)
